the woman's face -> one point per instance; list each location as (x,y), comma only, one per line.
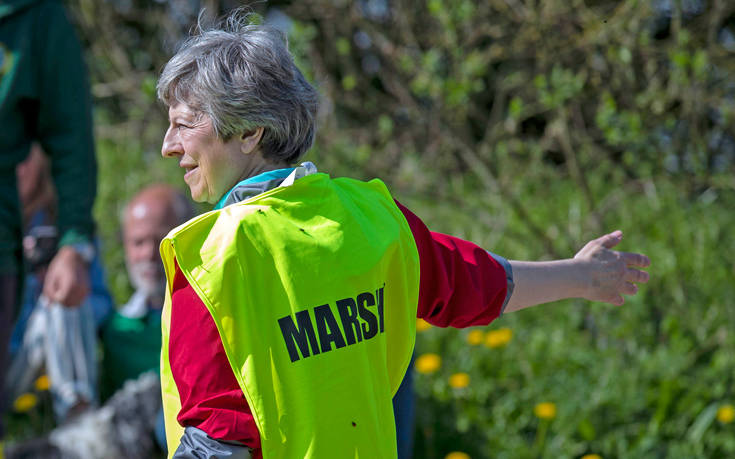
(212,166)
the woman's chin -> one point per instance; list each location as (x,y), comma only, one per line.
(197,195)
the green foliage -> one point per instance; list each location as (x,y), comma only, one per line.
(30,414)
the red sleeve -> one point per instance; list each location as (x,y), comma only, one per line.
(461,284)
(211,399)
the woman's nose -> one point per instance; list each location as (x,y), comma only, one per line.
(171,147)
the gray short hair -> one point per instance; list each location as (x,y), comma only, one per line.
(243,76)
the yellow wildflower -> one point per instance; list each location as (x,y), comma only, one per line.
(422,325)
(457,455)
(428,363)
(43,383)
(498,338)
(726,414)
(459,380)
(25,403)
(591,456)
(475,337)
(545,410)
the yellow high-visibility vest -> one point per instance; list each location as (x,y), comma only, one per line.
(313,288)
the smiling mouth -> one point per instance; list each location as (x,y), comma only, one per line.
(189,170)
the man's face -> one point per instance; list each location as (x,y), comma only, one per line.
(146,223)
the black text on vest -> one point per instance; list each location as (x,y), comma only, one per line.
(356,316)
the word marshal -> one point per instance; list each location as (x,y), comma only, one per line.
(357,318)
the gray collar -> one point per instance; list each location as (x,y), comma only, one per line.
(248,190)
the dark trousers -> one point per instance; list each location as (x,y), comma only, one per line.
(8,305)
(404,408)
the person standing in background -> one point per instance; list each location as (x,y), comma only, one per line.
(48,335)
(38,102)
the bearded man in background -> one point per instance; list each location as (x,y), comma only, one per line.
(132,335)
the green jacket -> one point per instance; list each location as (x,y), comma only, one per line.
(131,346)
(44,96)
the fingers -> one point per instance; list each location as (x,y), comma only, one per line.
(629,289)
(57,290)
(635,259)
(50,288)
(65,289)
(63,292)
(610,240)
(618,300)
(634,275)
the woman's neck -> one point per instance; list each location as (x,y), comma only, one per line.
(261,168)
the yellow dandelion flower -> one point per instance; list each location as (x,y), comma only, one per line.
(475,337)
(428,363)
(25,403)
(422,325)
(457,455)
(43,383)
(591,456)
(498,338)
(545,410)
(459,380)
(726,414)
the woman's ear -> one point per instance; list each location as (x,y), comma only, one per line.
(250,140)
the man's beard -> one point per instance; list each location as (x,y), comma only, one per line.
(154,287)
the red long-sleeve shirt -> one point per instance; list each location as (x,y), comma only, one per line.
(460,285)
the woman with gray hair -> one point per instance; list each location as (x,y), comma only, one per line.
(244,88)
(291,307)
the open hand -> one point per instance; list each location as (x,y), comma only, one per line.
(611,273)
(67,278)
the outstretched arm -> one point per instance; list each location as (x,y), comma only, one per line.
(596,273)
